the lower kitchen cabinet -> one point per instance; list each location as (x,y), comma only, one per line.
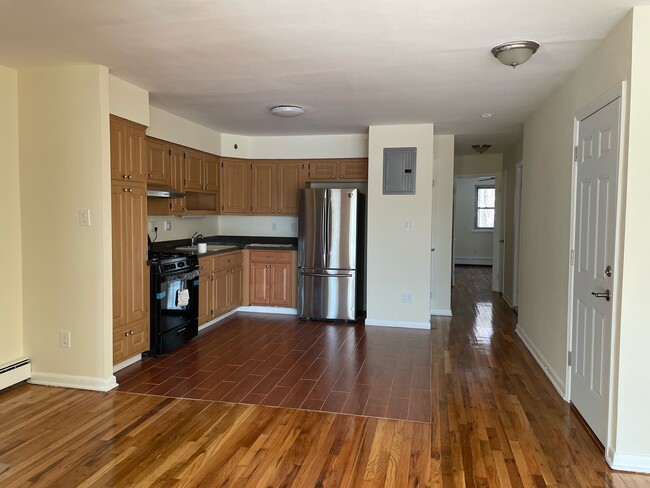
(220,285)
(131,340)
(271,278)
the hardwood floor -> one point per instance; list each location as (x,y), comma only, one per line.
(282,361)
(496,421)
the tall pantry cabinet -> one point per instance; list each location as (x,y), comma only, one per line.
(129,224)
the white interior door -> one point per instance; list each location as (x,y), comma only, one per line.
(595,227)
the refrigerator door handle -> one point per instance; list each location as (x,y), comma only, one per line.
(327,228)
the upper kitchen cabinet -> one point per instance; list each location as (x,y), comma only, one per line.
(211,172)
(194,170)
(128,146)
(158,162)
(275,185)
(235,186)
(354,169)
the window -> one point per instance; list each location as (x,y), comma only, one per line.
(484,206)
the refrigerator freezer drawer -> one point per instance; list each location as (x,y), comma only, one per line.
(327,294)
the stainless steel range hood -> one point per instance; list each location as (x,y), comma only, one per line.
(163,192)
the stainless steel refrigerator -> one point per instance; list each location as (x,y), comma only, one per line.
(331,233)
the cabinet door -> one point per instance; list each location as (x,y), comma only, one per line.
(119,208)
(136,154)
(176,163)
(221,295)
(280,289)
(138,338)
(194,170)
(290,180)
(324,170)
(136,248)
(353,169)
(259,283)
(158,170)
(235,187)
(211,172)
(205,298)
(263,177)
(119,169)
(236,282)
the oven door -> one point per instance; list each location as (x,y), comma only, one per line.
(176,300)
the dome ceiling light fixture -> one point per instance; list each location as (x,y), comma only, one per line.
(481,148)
(514,53)
(287,110)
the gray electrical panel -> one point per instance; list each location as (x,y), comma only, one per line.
(399,170)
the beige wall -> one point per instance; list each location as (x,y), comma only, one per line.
(480,164)
(172,128)
(65,167)
(11,297)
(470,243)
(441,227)
(399,261)
(128,101)
(511,157)
(632,429)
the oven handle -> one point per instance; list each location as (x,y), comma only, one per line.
(190,275)
(180,331)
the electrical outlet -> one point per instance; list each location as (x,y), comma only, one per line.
(274,226)
(152,225)
(407,298)
(408,225)
(168,225)
(64,338)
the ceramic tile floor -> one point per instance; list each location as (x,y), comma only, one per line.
(278,360)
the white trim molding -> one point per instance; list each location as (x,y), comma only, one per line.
(403,325)
(625,461)
(543,363)
(473,261)
(217,320)
(127,362)
(78,382)
(441,313)
(278,310)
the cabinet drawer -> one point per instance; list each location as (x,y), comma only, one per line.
(271,256)
(206,265)
(226,261)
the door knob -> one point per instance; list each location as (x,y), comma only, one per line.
(607,295)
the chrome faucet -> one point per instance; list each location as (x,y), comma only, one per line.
(195,237)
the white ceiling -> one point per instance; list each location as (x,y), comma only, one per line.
(350,63)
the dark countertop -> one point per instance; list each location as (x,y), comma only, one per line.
(240,242)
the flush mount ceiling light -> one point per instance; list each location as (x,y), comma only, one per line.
(514,53)
(486,116)
(287,110)
(481,148)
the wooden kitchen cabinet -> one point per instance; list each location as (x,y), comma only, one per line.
(235,186)
(220,285)
(352,169)
(128,146)
(194,178)
(211,172)
(158,162)
(271,278)
(129,245)
(274,187)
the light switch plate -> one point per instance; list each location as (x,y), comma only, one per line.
(84,217)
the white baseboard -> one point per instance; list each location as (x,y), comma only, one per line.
(78,382)
(404,325)
(507,299)
(278,310)
(442,313)
(13,374)
(127,362)
(217,320)
(543,363)
(624,461)
(473,261)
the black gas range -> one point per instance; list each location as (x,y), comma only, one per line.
(174,300)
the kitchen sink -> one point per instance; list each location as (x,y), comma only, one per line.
(210,247)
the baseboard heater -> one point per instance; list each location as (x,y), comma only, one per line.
(15,372)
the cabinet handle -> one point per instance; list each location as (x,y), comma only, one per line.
(149,176)
(129,177)
(124,176)
(270,265)
(125,189)
(230,260)
(245,210)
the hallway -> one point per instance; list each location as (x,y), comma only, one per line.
(496,421)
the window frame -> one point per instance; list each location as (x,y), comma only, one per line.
(477,208)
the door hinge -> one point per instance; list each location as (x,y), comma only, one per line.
(572,257)
(569,358)
(575,153)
